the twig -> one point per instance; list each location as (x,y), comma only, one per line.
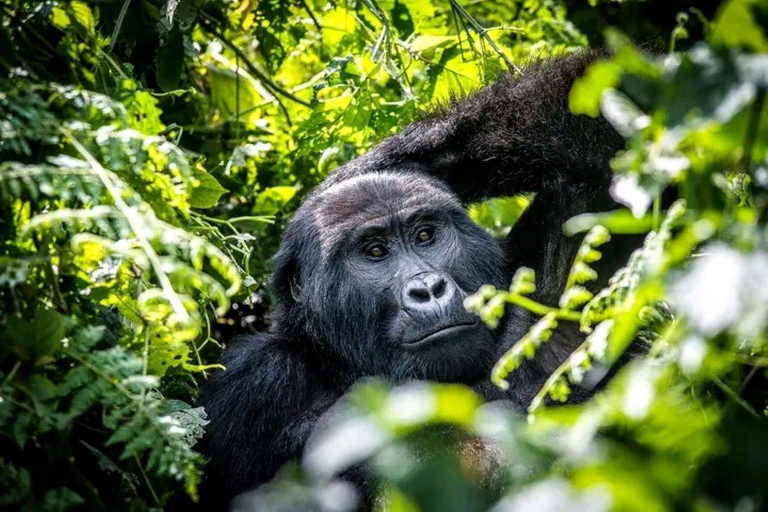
(400,75)
(733,395)
(311,15)
(119,23)
(8,378)
(56,289)
(541,309)
(483,33)
(751,134)
(146,480)
(207,24)
(559,373)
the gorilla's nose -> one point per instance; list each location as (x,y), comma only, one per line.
(427,290)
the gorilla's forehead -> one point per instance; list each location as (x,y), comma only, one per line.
(357,201)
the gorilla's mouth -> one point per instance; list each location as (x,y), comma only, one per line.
(442,334)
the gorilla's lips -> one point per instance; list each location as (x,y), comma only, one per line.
(443,334)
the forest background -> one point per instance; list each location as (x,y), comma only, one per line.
(152,150)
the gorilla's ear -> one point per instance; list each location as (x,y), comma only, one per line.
(293,283)
(286,283)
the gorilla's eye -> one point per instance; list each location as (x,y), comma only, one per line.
(425,235)
(376,251)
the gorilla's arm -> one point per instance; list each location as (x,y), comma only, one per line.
(515,136)
(519,136)
(261,411)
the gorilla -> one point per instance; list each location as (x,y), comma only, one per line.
(374,266)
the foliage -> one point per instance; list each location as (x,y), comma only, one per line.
(665,434)
(150,152)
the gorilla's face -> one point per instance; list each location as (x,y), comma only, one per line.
(381,277)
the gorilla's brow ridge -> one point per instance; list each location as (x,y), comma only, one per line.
(409,214)
(347,205)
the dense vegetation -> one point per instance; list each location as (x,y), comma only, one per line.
(150,151)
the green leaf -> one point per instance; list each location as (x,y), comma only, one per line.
(271,27)
(59,18)
(710,86)
(207,190)
(401,19)
(272,199)
(36,340)
(453,75)
(84,16)
(426,44)
(587,90)
(618,221)
(233,94)
(736,27)
(622,113)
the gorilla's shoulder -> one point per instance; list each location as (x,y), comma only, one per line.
(265,360)
(253,348)
(255,405)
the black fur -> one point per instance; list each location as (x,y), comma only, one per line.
(341,314)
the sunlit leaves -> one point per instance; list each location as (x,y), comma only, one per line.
(234,94)
(585,95)
(524,349)
(737,26)
(206,191)
(115,240)
(273,199)
(98,226)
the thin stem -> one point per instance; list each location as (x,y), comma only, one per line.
(146,480)
(311,15)
(228,222)
(119,23)
(305,85)
(136,226)
(30,410)
(207,24)
(753,361)
(99,373)
(455,17)
(237,88)
(117,69)
(751,375)
(386,38)
(8,378)
(751,134)
(749,140)
(483,33)
(61,303)
(557,374)
(541,309)
(145,357)
(733,395)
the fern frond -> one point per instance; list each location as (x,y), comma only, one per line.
(103,219)
(34,182)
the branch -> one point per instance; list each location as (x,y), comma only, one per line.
(208,25)
(482,32)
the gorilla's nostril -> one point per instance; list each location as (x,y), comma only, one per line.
(438,288)
(419,294)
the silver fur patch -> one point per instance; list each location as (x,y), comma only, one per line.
(359,200)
